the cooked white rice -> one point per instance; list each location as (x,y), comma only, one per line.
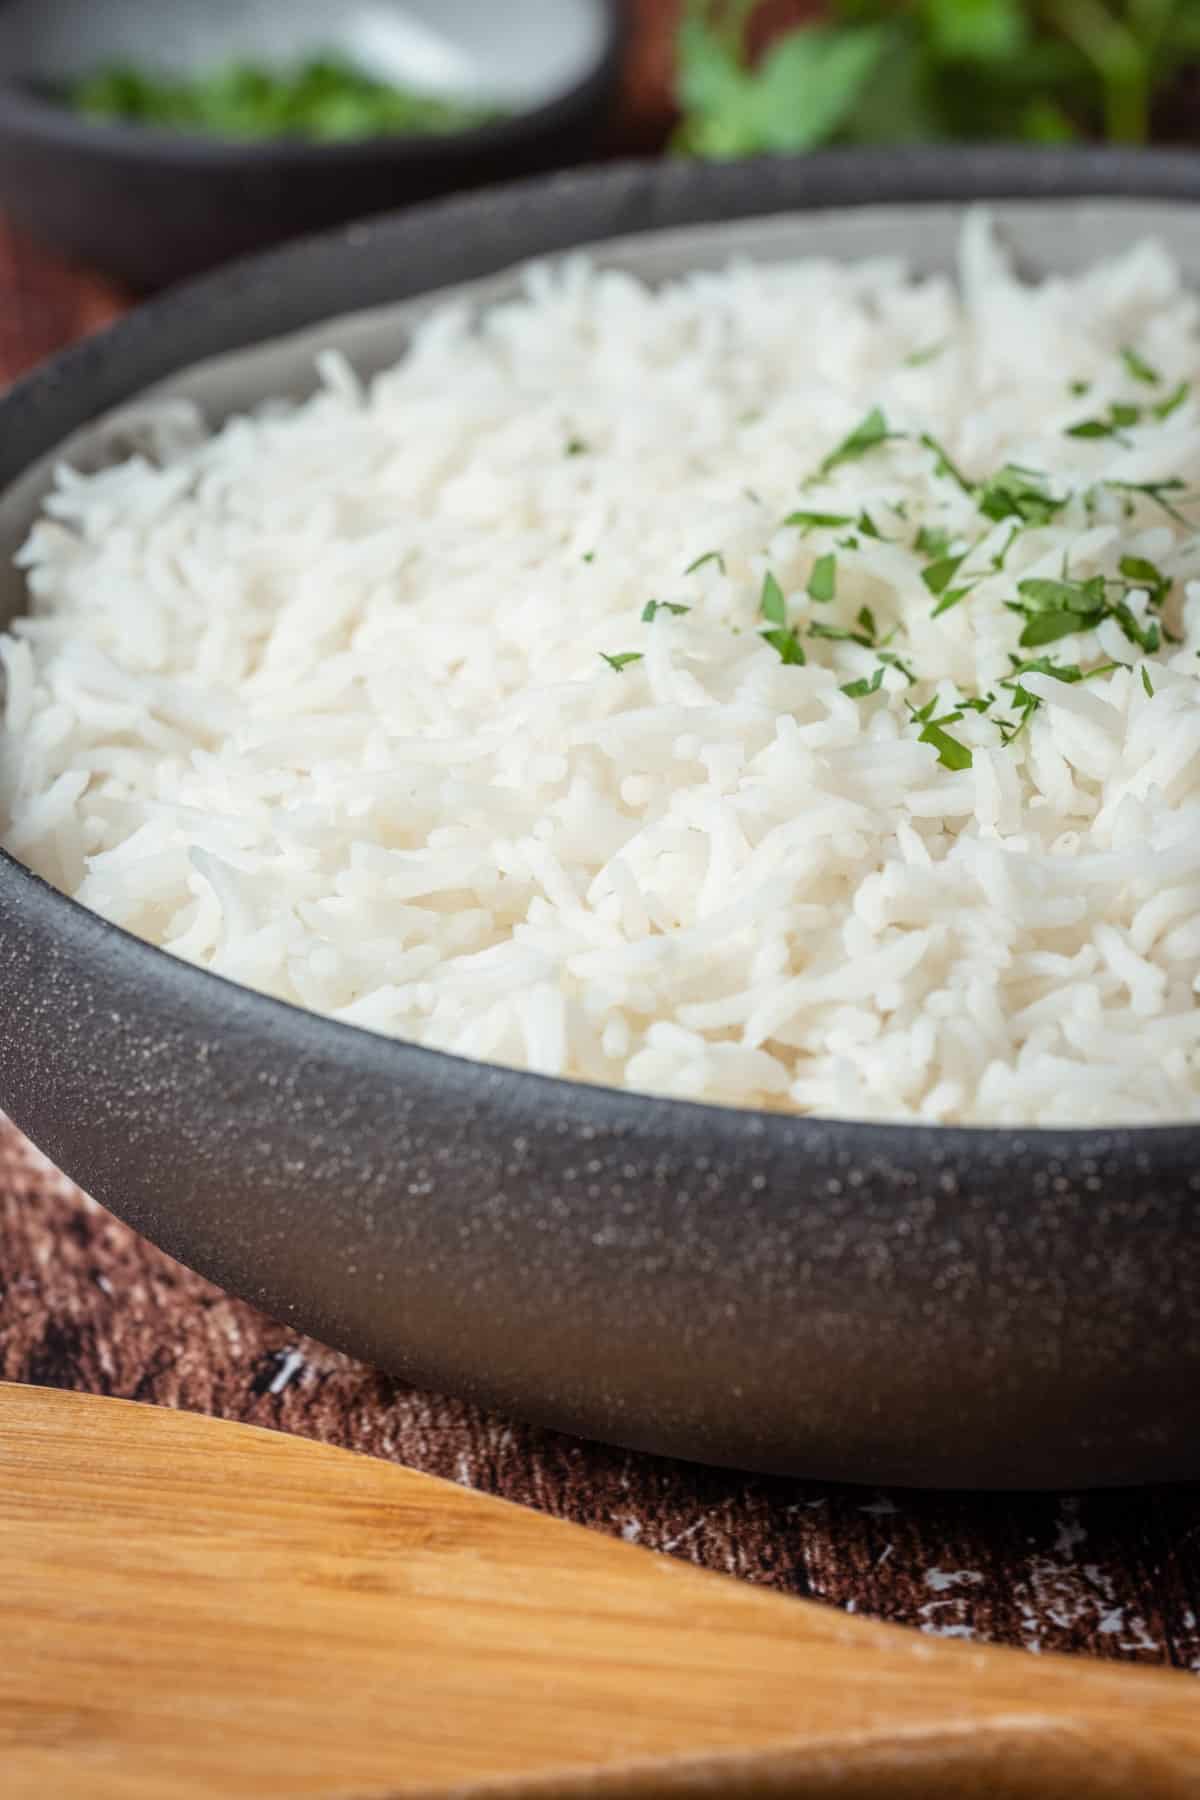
(318,701)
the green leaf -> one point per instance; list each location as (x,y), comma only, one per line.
(652,609)
(788,645)
(897,662)
(809,82)
(951,598)
(1147,637)
(1048,627)
(622,659)
(811,521)
(709,556)
(1117,419)
(1062,596)
(1138,367)
(985,31)
(938,575)
(1173,401)
(932,541)
(822,583)
(1044,665)
(1155,490)
(867,435)
(1146,681)
(944,464)
(951,753)
(858,690)
(772,604)
(916,359)
(1016,492)
(1145,575)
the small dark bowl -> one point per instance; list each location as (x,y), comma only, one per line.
(154,206)
(870,1302)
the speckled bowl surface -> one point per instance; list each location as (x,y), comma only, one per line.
(885,1303)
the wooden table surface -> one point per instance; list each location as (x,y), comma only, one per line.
(86,1304)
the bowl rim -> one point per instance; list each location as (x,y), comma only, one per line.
(829,181)
(22,108)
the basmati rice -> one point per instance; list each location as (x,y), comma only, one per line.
(319,700)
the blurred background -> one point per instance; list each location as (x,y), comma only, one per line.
(131,156)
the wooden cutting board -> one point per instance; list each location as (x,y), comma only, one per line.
(191,1608)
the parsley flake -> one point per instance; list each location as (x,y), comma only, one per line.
(1173,401)
(916,359)
(652,609)
(1014,492)
(810,521)
(822,583)
(944,463)
(1112,424)
(772,604)
(1146,682)
(867,435)
(622,659)
(713,556)
(859,690)
(952,754)
(938,575)
(1138,367)
(932,541)
(788,645)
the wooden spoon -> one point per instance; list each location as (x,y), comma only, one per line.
(190,1608)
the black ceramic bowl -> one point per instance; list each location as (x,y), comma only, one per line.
(893,1303)
(153,206)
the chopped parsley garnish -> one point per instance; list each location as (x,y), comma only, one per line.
(916,359)
(622,659)
(1146,682)
(1147,575)
(858,690)
(868,527)
(1079,388)
(822,583)
(938,575)
(952,754)
(326,98)
(867,435)
(932,541)
(810,521)
(576,447)
(1155,490)
(897,662)
(1138,367)
(772,604)
(951,598)
(1058,609)
(1173,401)
(788,645)
(841,634)
(589,556)
(944,463)
(1019,493)
(713,556)
(1112,424)
(652,609)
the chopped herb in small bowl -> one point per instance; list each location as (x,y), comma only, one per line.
(326,99)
